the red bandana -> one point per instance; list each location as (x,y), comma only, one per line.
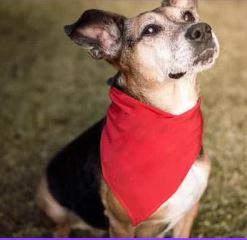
(146,153)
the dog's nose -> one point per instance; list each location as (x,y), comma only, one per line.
(200,32)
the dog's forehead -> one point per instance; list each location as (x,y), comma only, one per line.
(149,17)
(161,15)
(153,15)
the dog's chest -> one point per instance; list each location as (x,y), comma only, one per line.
(187,195)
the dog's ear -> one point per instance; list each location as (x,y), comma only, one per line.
(99,32)
(180,3)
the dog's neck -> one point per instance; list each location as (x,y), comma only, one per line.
(173,96)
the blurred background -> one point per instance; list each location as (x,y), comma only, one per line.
(51,90)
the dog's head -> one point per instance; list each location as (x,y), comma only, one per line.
(166,43)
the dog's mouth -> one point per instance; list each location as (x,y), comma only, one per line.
(206,57)
(203,60)
(176,75)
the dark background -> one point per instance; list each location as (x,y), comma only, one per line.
(50,91)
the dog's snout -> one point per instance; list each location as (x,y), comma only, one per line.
(200,32)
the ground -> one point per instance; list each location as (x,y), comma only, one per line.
(50,91)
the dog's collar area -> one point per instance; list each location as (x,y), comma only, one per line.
(115,81)
(176,75)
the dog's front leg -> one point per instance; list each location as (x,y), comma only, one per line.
(120,225)
(120,230)
(184,226)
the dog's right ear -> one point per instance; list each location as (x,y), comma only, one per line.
(99,32)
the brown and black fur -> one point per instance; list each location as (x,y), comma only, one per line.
(72,191)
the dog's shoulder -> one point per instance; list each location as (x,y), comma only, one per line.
(73,176)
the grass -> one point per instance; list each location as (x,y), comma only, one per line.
(50,91)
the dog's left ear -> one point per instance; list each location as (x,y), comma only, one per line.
(180,3)
(99,32)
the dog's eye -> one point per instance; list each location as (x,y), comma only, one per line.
(188,17)
(151,30)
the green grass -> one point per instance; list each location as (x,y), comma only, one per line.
(50,91)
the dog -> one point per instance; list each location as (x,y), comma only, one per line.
(158,55)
